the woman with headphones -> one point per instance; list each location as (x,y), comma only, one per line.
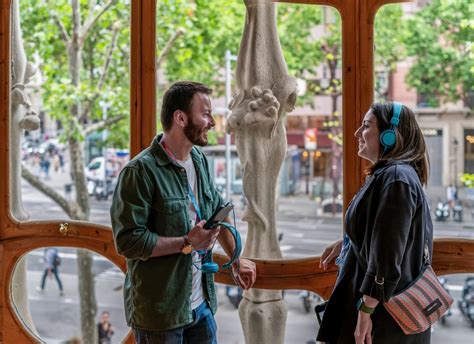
(387,232)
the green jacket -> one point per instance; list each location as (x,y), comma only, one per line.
(151,201)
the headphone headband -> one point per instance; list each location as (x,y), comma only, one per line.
(397,108)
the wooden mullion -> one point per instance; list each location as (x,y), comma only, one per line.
(143,72)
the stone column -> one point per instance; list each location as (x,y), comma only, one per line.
(22,117)
(265,92)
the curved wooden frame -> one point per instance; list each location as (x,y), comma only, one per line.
(17,238)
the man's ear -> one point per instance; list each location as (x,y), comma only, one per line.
(180,118)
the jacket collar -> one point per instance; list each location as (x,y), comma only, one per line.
(162,158)
(384,167)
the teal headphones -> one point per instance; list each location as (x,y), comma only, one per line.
(388,137)
(210,266)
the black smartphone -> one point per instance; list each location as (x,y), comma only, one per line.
(219,215)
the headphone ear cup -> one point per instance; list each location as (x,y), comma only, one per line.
(388,138)
(210,267)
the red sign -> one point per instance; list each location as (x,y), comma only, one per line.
(310,139)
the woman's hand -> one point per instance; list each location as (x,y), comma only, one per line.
(330,254)
(363,331)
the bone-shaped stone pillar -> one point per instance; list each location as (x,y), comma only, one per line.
(22,117)
(265,92)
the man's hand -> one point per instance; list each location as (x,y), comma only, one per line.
(245,273)
(330,254)
(203,239)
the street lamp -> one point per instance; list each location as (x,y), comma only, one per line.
(455,162)
(228,78)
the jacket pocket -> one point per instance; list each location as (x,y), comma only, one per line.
(169,217)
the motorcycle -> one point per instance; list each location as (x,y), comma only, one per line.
(444,283)
(309,299)
(99,189)
(457,211)
(442,211)
(466,304)
(234,294)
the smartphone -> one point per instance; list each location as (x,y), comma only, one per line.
(219,215)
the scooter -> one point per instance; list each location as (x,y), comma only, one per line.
(466,304)
(309,299)
(444,283)
(457,211)
(442,211)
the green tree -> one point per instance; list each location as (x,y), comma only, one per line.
(390,30)
(440,39)
(312,44)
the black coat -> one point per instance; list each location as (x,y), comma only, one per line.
(388,222)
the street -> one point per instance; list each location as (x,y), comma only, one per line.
(304,234)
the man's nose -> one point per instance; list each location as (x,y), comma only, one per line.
(213,122)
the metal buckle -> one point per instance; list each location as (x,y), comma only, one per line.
(379,282)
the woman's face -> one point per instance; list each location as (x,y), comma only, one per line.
(368,136)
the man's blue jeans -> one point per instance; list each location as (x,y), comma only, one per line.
(203,330)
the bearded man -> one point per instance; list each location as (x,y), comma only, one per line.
(162,199)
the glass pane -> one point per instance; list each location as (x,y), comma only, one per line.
(456,325)
(310,206)
(413,55)
(53,293)
(80,95)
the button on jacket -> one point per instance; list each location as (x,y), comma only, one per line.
(151,201)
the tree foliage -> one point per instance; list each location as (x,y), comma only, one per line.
(440,39)
(43,41)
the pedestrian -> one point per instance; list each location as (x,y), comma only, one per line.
(105,329)
(46,164)
(451,195)
(52,261)
(162,199)
(387,227)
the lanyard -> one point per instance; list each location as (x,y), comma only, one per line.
(190,190)
(195,203)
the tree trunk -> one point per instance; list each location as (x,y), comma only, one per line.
(87,296)
(88,304)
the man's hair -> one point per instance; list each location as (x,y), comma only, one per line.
(179,97)
(410,146)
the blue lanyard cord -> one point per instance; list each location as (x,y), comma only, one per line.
(195,203)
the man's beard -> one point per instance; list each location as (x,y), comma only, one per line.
(194,134)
